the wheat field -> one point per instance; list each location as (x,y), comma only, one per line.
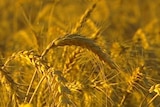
(79,53)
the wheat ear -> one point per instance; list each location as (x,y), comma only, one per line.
(84,18)
(78,40)
(134,80)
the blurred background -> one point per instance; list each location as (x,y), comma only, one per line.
(118,20)
(128,30)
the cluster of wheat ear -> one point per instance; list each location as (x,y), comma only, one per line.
(83,64)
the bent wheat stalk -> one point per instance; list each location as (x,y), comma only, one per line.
(78,40)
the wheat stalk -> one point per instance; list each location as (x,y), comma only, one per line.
(154,88)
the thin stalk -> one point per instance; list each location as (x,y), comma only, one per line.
(31,82)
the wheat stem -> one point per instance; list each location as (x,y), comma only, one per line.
(152,99)
(39,83)
(31,82)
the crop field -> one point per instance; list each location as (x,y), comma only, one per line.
(79,53)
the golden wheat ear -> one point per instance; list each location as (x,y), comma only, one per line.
(84,18)
(81,41)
